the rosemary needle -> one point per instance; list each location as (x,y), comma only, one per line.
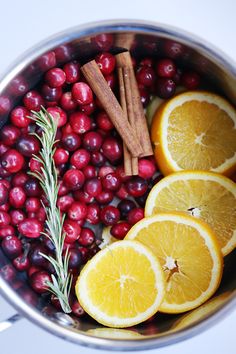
(61,281)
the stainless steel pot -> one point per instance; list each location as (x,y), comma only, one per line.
(82,42)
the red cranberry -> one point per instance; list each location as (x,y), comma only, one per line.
(19,179)
(87,237)
(103,41)
(111,182)
(8,273)
(144,96)
(35,165)
(39,281)
(3,148)
(80,122)
(55,77)
(173,49)
(98,159)
(72,231)
(60,156)
(83,197)
(93,187)
(47,61)
(106,63)
(191,80)
(77,309)
(122,193)
(121,173)
(93,212)
(82,93)
(166,68)
(89,171)
(67,102)
(32,188)
(110,215)
(165,88)
(75,258)
(125,206)
(33,269)
(20,117)
(12,246)
(17,197)
(3,193)
(7,230)
(71,141)
(33,101)
(62,190)
(135,215)
(9,135)
(5,183)
(12,161)
(146,76)
(16,216)
(104,122)
(64,202)
(31,228)
(59,115)
(51,94)
(63,53)
(5,218)
(21,263)
(88,109)
(5,105)
(80,158)
(77,211)
(72,71)
(120,230)
(105,170)
(74,179)
(104,197)
(92,141)
(28,145)
(112,149)
(146,168)
(32,205)
(137,186)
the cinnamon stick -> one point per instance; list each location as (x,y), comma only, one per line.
(107,98)
(124,61)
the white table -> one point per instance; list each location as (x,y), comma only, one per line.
(23,23)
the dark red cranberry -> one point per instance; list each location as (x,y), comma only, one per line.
(74,179)
(71,141)
(103,41)
(80,122)
(4,173)
(5,218)
(135,215)
(146,168)
(72,231)
(191,80)
(142,199)
(112,149)
(85,253)
(165,88)
(55,77)
(67,102)
(36,257)
(19,179)
(87,237)
(47,61)
(51,94)
(58,114)
(111,80)
(3,193)
(33,101)
(80,158)
(105,170)
(60,156)
(16,216)
(137,186)
(32,205)
(72,71)
(64,202)
(9,135)
(83,197)
(89,171)
(177,76)
(166,68)
(98,159)
(92,141)
(111,182)
(39,281)
(147,62)
(173,49)
(63,53)
(77,211)
(17,197)
(5,105)
(12,246)
(8,273)
(104,197)
(88,109)
(82,93)
(21,263)
(93,212)
(5,207)
(93,187)
(125,206)
(12,161)
(7,230)
(75,258)
(146,76)
(110,215)
(28,145)
(77,309)
(31,228)
(20,117)
(120,230)
(104,122)
(32,188)
(106,62)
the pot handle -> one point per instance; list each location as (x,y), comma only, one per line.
(9,322)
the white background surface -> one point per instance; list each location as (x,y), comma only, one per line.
(24,23)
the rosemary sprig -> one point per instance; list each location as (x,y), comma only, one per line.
(61,281)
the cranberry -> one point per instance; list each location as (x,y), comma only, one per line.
(7,230)
(166,68)
(31,228)
(77,309)
(59,115)
(35,165)
(191,80)
(72,231)
(16,216)
(12,161)
(135,215)
(105,170)
(83,197)
(88,108)
(32,188)
(36,257)
(106,63)
(173,49)
(17,197)
(63,53)
(39,281)
(8,273)
(73,179)
(21,263)
(144,96)
(51,94)
(110,215)
(67,102)
(120,230)
(122,193)
(19,179)
(3,148)
(146,168)
(92,141)
(64,202)
(142,199)
(112,149)
(121,173)
(72,71)
(4,173)
(33,269)
(55,77)
(165,88)
(137,186)
(80,158)
(146,76)
(5,218)
(125,206)
(146,62)
(32,205)
(89,171)
(77,211)
(104,197)
(85,252)
(80,122)
(93,212)
(28,145)
(60,156)
(104,122)
(82,93)
(71,141)
(98,159)
(47,61)
(93,187)
(103,41)
(87,237)
(20,117)
(111,182)
(75,258)
(33,101)
(3,193)
(9,135)
(5,105)
(12,246)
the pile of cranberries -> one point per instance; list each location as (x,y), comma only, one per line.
(93,189)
